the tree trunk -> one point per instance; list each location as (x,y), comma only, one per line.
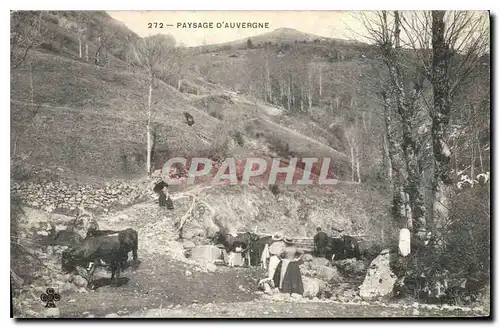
(352,164)
(440,116)
(358,165)
(399,174)
(441,90)
(80,46)
(32,85)
(179,84)
(148,125)
(289,97)
(86,51)
(387,160)
(268,81)
(479,152)
(397,30)
(407,110)
(472,161)
(320,82)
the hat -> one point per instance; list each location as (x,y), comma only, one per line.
(288,240)
(277,237)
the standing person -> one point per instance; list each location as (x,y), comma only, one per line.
(287,276)
(164,200)
(320,242)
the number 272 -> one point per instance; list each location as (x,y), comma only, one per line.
(155,25)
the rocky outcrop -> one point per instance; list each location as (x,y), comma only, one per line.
(379,280)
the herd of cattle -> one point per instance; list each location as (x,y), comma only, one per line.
(110,249)
(253,245)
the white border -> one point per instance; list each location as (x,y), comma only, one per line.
(191,5)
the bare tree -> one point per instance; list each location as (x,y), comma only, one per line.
(25,32)
(384,30)
(153,54)
(449,47)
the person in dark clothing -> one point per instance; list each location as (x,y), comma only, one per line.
(320,243)
(164,199)
(287,276)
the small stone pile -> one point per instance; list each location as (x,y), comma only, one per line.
(327,279)
(65,198)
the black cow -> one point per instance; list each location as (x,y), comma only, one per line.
(343,248)
(102,246)
(129,239)
(257,245)
(230,243)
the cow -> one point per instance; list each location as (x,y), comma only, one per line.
(128,238)
(109,246)
(257,245)
(230,243)
(342,248)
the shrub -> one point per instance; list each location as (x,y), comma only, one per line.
(239,138)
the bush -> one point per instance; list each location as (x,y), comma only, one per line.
(460,253)
(239,138)
(274,189)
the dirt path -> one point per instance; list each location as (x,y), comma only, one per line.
(161,281)
(304,309)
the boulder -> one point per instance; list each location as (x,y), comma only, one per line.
(404,242)
(351,266)
(312,286)
(379,280)
(208,253)
(79,281)
(328,274)
(319,261)
(188,244)
(68,288)
(211,267)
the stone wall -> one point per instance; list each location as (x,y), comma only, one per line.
(64,198)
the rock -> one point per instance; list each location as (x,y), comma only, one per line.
(328,274)
(211,267)
(191,233)
(112,315)
(82,290)
(206,253)
(307,258)
(318,262)
(188,273)
(188,244)
(311,286)
(79,281)
(42,233)
(404,242)
(379,280)
(296,296)
(415,312)
(68,288)
(51,312)
(30,313)
(351,266)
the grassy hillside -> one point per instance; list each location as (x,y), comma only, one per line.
(92,120)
